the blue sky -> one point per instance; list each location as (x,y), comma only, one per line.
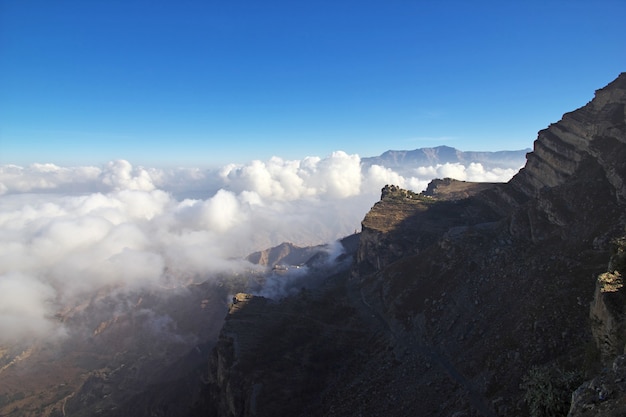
(204,83)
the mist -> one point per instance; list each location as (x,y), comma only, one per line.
(67,232)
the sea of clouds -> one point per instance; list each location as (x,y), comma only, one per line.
(70,231)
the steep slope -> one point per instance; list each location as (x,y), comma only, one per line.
(457,293)
(495,298)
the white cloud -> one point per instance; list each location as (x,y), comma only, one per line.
(475,172)
(24,302)
(69,231)
(120,175)
(378,176)
(337,176)
(43,177)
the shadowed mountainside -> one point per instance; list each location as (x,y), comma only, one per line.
(454,296)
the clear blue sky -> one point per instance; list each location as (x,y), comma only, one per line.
(210,82)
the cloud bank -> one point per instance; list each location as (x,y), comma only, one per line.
(70,231)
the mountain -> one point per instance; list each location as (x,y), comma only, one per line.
(401,161)
(284,255)
(145,352)
(465,300)
(469,299)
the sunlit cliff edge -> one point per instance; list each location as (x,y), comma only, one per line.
(461,300)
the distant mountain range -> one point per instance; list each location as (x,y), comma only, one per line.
(401,160)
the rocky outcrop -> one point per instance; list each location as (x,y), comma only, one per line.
(604,395)
(456,293)
(608,309)
(404,223)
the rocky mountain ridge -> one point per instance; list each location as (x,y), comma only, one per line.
(455,295)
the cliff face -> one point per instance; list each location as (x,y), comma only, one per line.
(277,358)
(403,223)
(608,310)
(595,131)
(456,293)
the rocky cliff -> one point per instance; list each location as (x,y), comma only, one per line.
(604,395)
(404,223)
(460,300)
